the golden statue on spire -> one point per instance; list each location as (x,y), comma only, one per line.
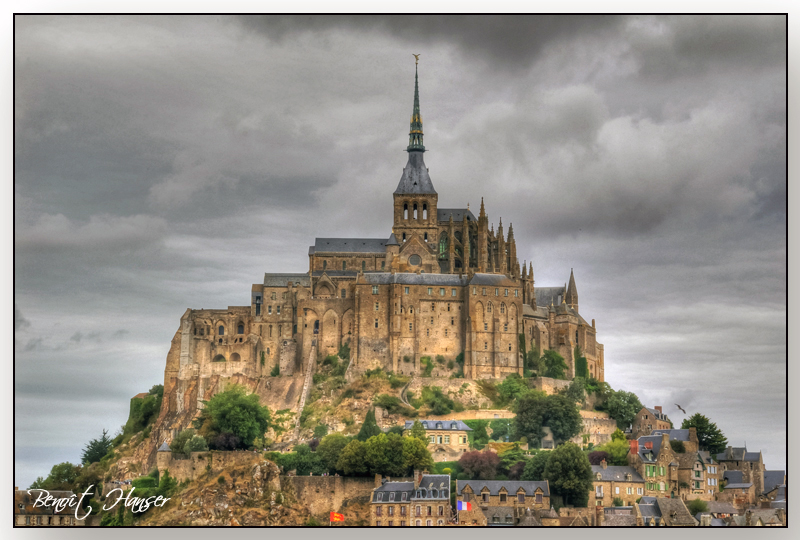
(416,58)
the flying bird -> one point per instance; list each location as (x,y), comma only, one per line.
(681,408)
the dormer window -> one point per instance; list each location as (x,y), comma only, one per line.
(380,496)
(391,496)
(403,496)
(453,426)
(438,425)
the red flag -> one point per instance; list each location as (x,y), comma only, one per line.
(336,517)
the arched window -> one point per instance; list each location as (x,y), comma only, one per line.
(405,211)
(415,210)
(458,236)
(502,308)
(404,237)
(221,331)
(324,265)
(426,237)
(220,341)
(240,329)
(424,211)
(443,242)
(489,307)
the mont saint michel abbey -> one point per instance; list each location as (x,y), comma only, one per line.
(440,281)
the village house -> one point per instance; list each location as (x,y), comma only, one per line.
(654,460)
(25,515)
(611,482)
(425,502)
(496,502)
(740,494)
(687,437)
(447,439)
(698,476)
(750,463)
(648,420)
(663,512)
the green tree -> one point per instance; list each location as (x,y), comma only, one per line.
(530,410)
(369,428)
(384,454)
(677,446)
(569,473)
(535,361)
(329,449)
(196,444)
(511,457)
(697,505)
(562,416)
(581,365)
(418,431)
(618,435)
(352,460)
(617,449)
(623,406)
(179,442)
(510,389)
(534,468)
(320,431)
(96,449)
(555,366)
(236,413)
(617,502)
(709,436)
(62,477)
(416,455)
(576,391)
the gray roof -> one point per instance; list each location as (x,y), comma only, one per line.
(540,312)
(415,179)
(773,479)
(733,476)
(443,214)
(674,434)
(280,280)
(336,273)
(738,485)
(644,453)
(495,280)
(718,507)
(614,473)
(402,278)
(441,482)
(454,425)
(738,453)
(512,486)
(619,520)
(392,240)
(548,295)
(500,512)
(164,447)
(350,245)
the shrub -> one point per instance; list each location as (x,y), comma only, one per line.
(195,444)
(320,431)
(393,405)
(331,360)
(617,502)
(696,506)
(344,351)
(319,378)
(427,366)
(144,482)
(221,480)
(276,371)
(440,359)
(179,442)
(407,359)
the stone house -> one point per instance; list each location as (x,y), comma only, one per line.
(648,420)
(654,460)
(699,476)
(25,515)
(739,493)
(612,481)
(687,436)
(425,502)
(751,464)
(774,487)
(512,495)
(663,512)
(447,439)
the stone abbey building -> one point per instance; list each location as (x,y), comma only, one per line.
(442,281)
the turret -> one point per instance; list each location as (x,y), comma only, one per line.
(571,296)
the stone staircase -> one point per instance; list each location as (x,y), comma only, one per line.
(306,387)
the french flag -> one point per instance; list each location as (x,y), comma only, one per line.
(464,505)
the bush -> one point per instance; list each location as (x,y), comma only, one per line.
(331,360)
(451,364)
(179,442)
(696,506)
(617,502)
(407,359)
(344,351)
(144,482)
(276,371)
(393,405)
(195,444)
(236,413)
(320,431)
(427,366)
(440,359)
(319,378)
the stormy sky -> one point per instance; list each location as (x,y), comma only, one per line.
(165,163)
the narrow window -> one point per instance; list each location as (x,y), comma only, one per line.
(485,327)
(415,210)
(425,216)
(484,291)
(485,345)
(279,310)
(377,306)
(445,332)
(431,320)
(324,265)
(516,293)
(273,296)
(453,292)
(430,291)
(383,265)
(452,321)
(344,266)
(374,289)
(376,323)
(497,292)
(502,308)
(433,305)
(448,307)
(344,293)
(474,291)
(404,237)
(428,332)
(240,329)
(441,291)
(506,292)
(280,330)
(505,329)
(405,215)
(258,312)
(426,237)
(270,330)
(410,326)
(221,331)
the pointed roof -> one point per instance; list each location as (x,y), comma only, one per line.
(415,133)
(392,241)
(482,213)
(572,290)
(164,447)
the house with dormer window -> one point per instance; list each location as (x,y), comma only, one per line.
(447,439)
(424,502)
(654,460)
(612,482)
(491,499)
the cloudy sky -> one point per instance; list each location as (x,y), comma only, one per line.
(168,162)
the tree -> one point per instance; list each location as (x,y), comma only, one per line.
(416,455)
(697,505)
(369,428)
(515,471)
(511,457)
(709,436)
(530,414)
(179,442)
(596,457)
(196,444)
(320,431)
(510,389)
(352,459)
(480,465)
(329,449)
(384,454)
(622,406)
(236,413)
(576,391)
(617,502)
(554,365)
(581,365)
(617,450)
(562,416)
(569,474)
(418,431)
(534,468)
(96,449)
(618,435)
(62,477)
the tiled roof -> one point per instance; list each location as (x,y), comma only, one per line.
(512,486)
(454,425)
(674,511)
(443,214)
(613,473)
(350,245)
(280,280)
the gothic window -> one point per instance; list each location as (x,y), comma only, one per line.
(405,213)
(415,210)
(502,308)
(443,242)
(324,265)
(240,329)
(404,237)
(425,216)
(411,310)
(489,308)
(221,331)
(426,237)
(458,236)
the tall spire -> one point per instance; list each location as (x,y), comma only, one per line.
(415,135)
(483,211)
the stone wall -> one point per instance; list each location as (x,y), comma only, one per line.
(598,429)
(199,462)
(323,494)
(548,385)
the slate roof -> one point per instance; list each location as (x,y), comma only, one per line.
(734,477)
(495,280)
(349,245)
(415,178)
(647,500)
(773,479)
(645,453)
(443,214)
(280,280)
(500,512)
(619,520)
(674,434)
(614,473)
(387,278)
(715,522)
(451,425)
(674,512)
(738,485)
(718,507)
(529,519)
(662,416)
(768,515)
(512,486)
(738,453)
(540,312)
(441,483)
(548,295)
(164,447)
(335,273)
(392,240)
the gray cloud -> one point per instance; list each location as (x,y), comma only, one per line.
(167,162)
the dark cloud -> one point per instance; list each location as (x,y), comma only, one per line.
(168,162)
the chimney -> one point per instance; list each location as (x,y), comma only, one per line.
(664,440)
(634,446)
(659,409)
(603,464)
(417,478)
(600,516)
(378,481)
